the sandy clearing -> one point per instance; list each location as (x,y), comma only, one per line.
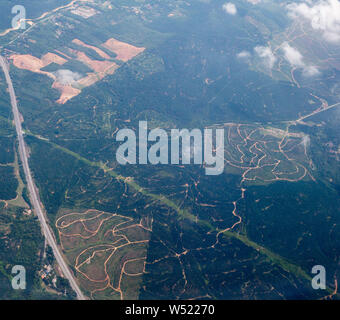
(67,92)
(124,51)
(31,63)
(96,65)
(52,58)
(88,81)
(100,52)
(34,64)
(84,12)
(27,62)
(101,68)
(92,78)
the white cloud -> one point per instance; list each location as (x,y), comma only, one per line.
(323,15)
(305,141)
(331,36)
(254,1)
(295,58)
(267,56)
(230,8)
(310,71)
(244,55)
(67,77)
(292,55)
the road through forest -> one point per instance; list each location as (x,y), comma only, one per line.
(32,188)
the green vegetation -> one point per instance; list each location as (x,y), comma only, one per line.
(253,232)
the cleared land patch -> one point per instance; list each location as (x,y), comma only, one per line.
(107,250)
(101,68)
(124,51)
(85,12)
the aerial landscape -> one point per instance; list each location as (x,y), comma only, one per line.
(96,202)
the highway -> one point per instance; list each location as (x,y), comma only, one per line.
(317,112)
(32,188)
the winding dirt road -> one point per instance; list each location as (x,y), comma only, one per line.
(32,188)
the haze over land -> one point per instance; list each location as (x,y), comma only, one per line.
(267,72)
